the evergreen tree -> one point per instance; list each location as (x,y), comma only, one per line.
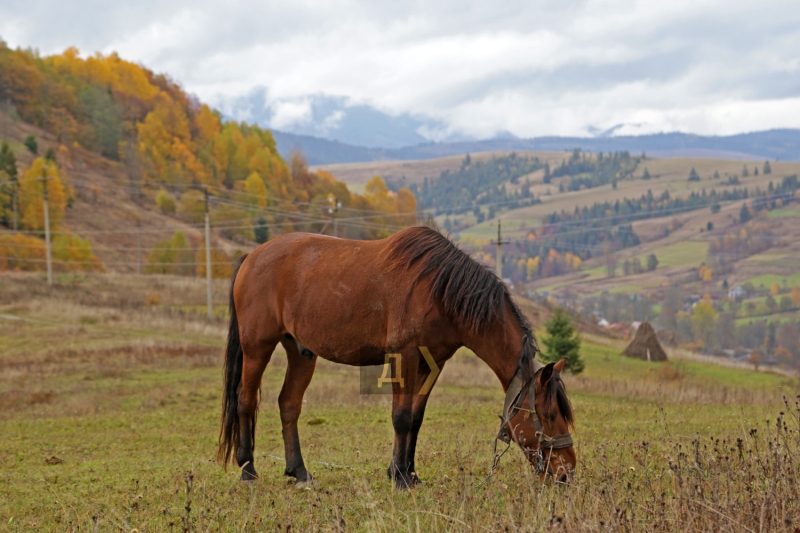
(261,231)
(767,168)
(744,214)
(652,262)
(745,172)
(646,174)
(31,144)
(562,342)
(693,176)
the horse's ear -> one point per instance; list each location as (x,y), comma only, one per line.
(559,366)
(547,373)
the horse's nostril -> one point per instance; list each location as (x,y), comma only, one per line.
(563,479)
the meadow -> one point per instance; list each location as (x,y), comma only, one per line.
(109,412)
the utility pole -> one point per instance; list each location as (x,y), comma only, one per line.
(500,242)
(208,261)
(14,202)
(138,245)
(44,179)
(333,210)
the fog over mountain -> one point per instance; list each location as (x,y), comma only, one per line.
(334,118)
(352,70)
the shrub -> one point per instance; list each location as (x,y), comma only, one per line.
(165,202)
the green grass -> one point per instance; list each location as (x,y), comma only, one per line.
(687,253)
(125,407)
(784,212)
(765,281)
(125,463)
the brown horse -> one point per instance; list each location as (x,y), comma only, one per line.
(352,302)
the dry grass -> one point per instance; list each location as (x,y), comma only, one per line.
(105,423)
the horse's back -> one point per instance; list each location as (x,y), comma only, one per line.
(324,291)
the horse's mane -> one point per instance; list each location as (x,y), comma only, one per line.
(471,294)
(555,395)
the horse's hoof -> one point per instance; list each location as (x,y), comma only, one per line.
(249,472)
(408,481)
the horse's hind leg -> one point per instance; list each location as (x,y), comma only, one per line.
(256,356)
(298,375)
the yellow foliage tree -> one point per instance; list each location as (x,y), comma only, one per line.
(221,263)
(378,194)
(704,318)
(795,295)
(73,253)
(192,206)
(705,273)
(532,267)
(21,252)
(42,173)
(406,205)
(774,289)
(256,190)
(165,202)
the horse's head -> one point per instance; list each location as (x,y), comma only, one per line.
(542,430)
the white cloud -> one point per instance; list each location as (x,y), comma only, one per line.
(532,68)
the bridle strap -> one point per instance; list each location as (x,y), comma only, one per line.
(512,404)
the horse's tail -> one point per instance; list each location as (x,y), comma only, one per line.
(229,430)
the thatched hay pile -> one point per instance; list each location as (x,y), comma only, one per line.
(645,345)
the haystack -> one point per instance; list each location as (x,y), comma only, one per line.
(645,345)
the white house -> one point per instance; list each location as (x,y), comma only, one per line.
(737,292)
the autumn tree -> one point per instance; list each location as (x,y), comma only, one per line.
(704,319)
(165,202)
(41,174)
(795,295)
(192,206)
(221,263)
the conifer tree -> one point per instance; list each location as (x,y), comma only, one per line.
(562,342)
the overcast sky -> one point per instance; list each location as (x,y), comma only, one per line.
(539,67)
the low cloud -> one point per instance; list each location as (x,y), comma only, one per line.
(479,68)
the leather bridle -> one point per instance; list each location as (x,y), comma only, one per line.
(518,389)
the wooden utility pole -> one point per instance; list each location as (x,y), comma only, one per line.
(48,251)
(334,210)
(208,261)
(138,245)
(500,242)
(14,195)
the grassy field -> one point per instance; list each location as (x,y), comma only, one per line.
(109,412)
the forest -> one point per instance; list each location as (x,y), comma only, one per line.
(478,183)
(586,171)
(172,147)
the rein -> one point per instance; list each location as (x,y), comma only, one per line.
(512,404)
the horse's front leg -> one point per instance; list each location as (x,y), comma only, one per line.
(403,388)
(417,414)
(298,375)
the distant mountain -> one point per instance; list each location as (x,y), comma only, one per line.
(781,144)
(334,118)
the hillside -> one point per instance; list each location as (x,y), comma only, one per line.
(119,145)
(649,244)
